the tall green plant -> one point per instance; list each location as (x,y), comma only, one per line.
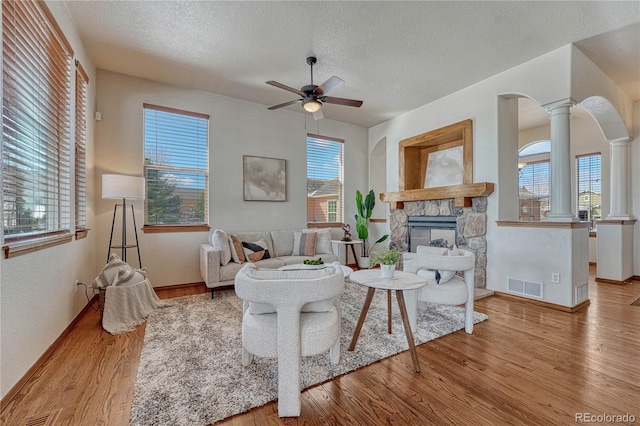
(365,209)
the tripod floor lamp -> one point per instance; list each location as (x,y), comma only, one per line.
(122,186)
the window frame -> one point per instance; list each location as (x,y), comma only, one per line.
(80,164)
(177,227)
(37,55)
(340,201)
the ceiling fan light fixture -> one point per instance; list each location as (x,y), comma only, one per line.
(311,105)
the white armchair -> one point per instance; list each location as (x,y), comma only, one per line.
(455,291)
(289,314)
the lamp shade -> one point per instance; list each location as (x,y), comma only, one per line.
(123,186)
(311,105)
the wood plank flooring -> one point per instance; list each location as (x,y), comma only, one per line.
(526,365)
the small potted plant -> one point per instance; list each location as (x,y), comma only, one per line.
(365,206)
(387,260)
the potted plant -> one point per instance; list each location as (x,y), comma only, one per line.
(387,260)
(365,208)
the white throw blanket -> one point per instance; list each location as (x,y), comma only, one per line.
(127,306)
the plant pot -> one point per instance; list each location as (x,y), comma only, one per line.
(364,262)
(387,271)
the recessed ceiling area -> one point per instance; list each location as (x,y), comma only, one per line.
(395,56)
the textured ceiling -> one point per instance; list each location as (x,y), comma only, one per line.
(395,56)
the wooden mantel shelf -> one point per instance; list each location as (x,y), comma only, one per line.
(461,194)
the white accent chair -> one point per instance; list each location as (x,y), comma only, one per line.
(456,291)
(289,314)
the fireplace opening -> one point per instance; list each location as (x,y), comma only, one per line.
(435,231)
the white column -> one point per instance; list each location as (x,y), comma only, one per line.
(560,163)
(619,180)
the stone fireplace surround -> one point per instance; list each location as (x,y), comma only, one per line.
(471,226)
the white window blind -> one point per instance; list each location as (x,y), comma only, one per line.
(534,191)
(82,80)
(589,191)
(35,122)
(325,179)
(176,168)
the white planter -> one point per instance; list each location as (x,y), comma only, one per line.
(363,262)
(387,270)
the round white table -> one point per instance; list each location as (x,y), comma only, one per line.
(401,281)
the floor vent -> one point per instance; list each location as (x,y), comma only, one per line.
(582,293)
(46,419)
(525,288)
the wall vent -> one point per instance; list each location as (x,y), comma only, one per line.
(525,288)
(582,293)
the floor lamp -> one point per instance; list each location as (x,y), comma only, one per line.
(122,186)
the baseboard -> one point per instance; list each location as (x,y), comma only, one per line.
(179,286)
(608,281)
(544,304)
(15,390)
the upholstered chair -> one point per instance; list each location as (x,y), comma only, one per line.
(439,264)
(289,314)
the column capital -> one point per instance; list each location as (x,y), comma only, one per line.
(619,141)
(560,103)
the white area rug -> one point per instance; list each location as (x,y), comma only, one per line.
(190,370)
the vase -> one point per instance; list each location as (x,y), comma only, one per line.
(387,270)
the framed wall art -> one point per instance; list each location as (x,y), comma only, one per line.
(264,179)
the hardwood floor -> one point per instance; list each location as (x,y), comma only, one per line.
(526,365)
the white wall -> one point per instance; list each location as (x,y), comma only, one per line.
(38,290)
(236,128)
(635,186)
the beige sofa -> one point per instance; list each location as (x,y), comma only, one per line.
(280,245)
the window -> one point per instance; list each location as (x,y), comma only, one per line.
(588,182)
(534,181)
(325,158)
(176,169)
(82,80)
(35,126)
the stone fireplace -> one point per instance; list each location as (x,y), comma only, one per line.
(471,226)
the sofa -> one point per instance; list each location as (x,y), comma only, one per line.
(222,257)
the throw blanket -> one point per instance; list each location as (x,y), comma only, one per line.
(127,306)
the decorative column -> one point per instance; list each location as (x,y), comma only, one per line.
(619,180)
(560,163)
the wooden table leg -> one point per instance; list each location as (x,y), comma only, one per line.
(355,257)
(407,329)
(363,315)
(389,311)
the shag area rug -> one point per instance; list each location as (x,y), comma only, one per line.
(190,370)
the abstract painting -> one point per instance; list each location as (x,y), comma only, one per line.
(264,179)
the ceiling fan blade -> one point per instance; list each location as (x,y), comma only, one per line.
(342,101)
(328,85)
(285,104)
(285,87)
(318,115)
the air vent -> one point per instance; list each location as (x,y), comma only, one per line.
(525,288)
(582,293)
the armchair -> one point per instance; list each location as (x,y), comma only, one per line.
(288,314)
(457,290)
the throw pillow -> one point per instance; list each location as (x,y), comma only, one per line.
(255,251)
(220,241)
(304,243)
(444,276)
(237,254)
(323,240)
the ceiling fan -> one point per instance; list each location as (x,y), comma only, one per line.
(313,96)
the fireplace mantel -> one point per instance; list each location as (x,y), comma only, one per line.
(461,194)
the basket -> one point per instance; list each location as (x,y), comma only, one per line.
(102,292)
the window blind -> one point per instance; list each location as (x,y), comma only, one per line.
(589,191)
(176,166)
(82,80)
(534,191)
(325,179)
(35,122)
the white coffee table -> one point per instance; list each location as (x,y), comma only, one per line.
(401,282)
